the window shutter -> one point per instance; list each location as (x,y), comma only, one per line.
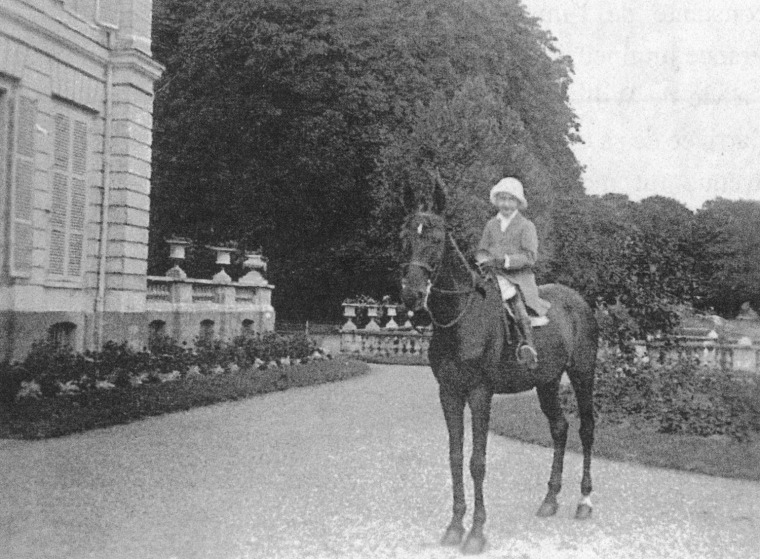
(5,131)
(69,197)
(58,223)
(78,197)
(60,195)
(22,192)
(62,142)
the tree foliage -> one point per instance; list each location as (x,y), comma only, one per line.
(727,235)
(296,127)
(292,126)
(617,252)
(654,256)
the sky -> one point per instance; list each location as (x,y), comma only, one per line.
(667,93)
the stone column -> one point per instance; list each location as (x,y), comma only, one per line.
(133,75)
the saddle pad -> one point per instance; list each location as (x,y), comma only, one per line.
(507,288)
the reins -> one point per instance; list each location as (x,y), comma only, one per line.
(469,292)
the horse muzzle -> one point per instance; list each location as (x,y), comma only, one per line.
(415,298)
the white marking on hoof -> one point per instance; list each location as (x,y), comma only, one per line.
(586,500)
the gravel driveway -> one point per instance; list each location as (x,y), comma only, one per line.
(354,469)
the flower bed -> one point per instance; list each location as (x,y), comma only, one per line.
(53,393)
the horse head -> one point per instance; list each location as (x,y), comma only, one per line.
(423,239)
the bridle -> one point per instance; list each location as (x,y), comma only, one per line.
(434,273)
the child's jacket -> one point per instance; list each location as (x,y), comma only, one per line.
(520,243)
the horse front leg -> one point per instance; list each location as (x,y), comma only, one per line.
(480,406)
(453,411)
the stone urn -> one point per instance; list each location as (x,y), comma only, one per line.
(177,246)
(391,311)
(349,311)
(255,263)
(223,258)
(373,312)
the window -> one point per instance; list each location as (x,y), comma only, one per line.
(69,194)
(247,327)
(206,333)
(61,335)
(18,120)
(156,334)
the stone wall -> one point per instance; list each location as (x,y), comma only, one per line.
(55,59)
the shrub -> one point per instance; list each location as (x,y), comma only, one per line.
(11,377)
(118,363)
(271,346)
(699,400)
(616,326)
(679,396)
(52,366)
(115,359)
(167,355)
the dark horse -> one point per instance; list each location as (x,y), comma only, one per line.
(472,355)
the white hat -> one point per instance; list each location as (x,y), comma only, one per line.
(511,186)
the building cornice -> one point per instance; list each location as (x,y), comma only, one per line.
(138,61)
(25,17)
(92,47)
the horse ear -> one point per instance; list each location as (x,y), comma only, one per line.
(439,197)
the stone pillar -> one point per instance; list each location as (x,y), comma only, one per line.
(134,73)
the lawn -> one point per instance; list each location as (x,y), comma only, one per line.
(520,417)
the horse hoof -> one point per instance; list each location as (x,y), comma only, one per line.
(453,536)
(474,544)
(547,509)
(583,512)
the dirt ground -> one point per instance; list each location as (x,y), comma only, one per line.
(357,469)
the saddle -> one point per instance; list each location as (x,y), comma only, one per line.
(509,291)
(518,324)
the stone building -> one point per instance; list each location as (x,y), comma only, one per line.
(76,101)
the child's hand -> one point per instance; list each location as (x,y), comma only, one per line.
(491,265)
(496,263)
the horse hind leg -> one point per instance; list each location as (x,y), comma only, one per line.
(548,397)
(584,395)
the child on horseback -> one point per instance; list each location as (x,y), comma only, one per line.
(509,248)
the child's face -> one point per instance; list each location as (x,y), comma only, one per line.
(506,203)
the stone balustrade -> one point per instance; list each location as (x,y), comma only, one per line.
(386,344)
(373,331)
(164,291)
(185,308)
(381,337)
(743,355)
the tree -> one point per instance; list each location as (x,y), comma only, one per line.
(727,233)
(293,126)
(616,251)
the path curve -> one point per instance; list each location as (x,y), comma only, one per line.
(356,469)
